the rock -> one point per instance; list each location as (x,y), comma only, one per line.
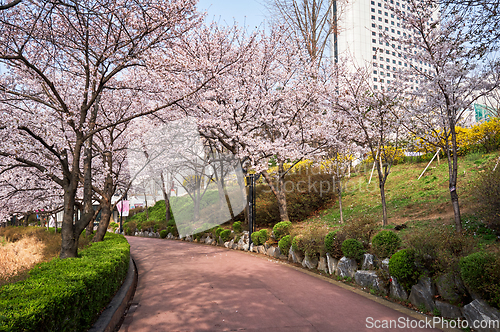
(261,250)
(295,256)
(480,313)
(448,310)
(209,240)
(369,279)
(331,263)
(277,252)
(451,288)
(310,262)
(270,251)
(235,246)
(369,262)
(385,264)
(214,243)
(241,242)
(245,247)
(267,246)
(396,290)
(322,265)
(427,283)
(221,242)
(421,294)
(283,257)
(189,238)
(226,244)
(230,245)
(347,267)
(136,234)
(251,247)
(170,236)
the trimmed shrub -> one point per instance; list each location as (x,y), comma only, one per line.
(225,234)
(480,271)
(255,238)
(218,231)
(333,243)
(260,237)
(385,244)
(281,229)
(285,244)
(263,236)
(163,233)
(237,227)
(66,294)
(352,248)
(402,266)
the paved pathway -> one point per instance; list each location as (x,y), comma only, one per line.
(190,287)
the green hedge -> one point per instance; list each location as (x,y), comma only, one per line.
(66,294)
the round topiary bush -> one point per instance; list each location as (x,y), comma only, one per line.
(255,238)
(385,244)
(263,236)
(480,272)
(352,248)
(218,231)
(402,266)
(285,244)
(333,243)
(281,229)
(237,227)
(163,233)
(225,235)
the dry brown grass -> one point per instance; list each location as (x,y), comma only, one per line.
(19,256)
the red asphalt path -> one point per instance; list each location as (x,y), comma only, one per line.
(190,287)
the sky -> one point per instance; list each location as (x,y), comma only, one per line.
(248,13)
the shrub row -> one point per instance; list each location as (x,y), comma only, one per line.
(66,294)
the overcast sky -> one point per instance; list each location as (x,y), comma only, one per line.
(249,13)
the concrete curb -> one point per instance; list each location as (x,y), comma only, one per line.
(111,316)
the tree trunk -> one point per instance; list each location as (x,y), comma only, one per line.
(69,242)
(104,223)
(166,197)
(146,202)
(279,191)
(453,174)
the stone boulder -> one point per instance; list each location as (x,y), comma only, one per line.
(482,314)
(277,252)
(310,262)
(295,257)
(396,290)
(384,264)
(347,267)
(331,264)
(369,262)
(208,240)
(448,310)
(226,244)
(322,265)
(369,279)
(451,288)
(261,250)
(189,238)
(270,251)
(241,243)
(422,294)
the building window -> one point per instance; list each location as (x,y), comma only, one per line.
(392,22)
(394,61)
(388,60)
(380,12)
(373,33)
(374,64)
(386,51)
(379,4)
(373,3)
(386,21)
(386,14)
(399,63)
(392,30)
(374,40)
(381,80)
(375,72)
(373,10)
(374,49)
(373,25)
(374,79)
(388,67)
(375,87)
(380,19)
(373,17)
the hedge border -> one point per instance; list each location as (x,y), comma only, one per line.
(66,294)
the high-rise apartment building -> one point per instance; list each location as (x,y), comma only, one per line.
(368,36)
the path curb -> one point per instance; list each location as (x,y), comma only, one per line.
(111,316)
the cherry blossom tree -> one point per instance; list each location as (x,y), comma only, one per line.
(446,75)
(61,57)
(267,107)
(369,116)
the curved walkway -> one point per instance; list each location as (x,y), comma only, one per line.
(189,287)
